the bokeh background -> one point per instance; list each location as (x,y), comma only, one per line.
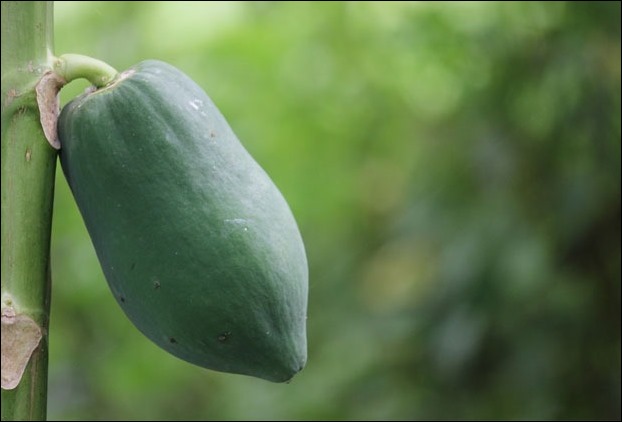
(455,172)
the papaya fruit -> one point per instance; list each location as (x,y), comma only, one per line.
(197,244)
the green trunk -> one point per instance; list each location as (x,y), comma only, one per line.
(28,166)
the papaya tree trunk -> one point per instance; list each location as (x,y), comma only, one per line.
(27,178)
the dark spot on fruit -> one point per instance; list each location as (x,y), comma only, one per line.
(132,266)
(156,284)
(222,337)
(122,299)
(172,340)
(212,135)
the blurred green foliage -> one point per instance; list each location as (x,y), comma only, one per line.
(455,172)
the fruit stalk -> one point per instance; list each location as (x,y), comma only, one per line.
(75,66)
(27,179)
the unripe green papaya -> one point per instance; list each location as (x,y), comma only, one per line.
(198,245)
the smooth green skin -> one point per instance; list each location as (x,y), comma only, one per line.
(197,244)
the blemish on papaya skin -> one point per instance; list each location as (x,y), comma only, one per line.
(172,340)
(28,154)
(156,284)
(132,266)
(196,103)
(222,337)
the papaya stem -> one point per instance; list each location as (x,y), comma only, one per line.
(76,66)
(27,178)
